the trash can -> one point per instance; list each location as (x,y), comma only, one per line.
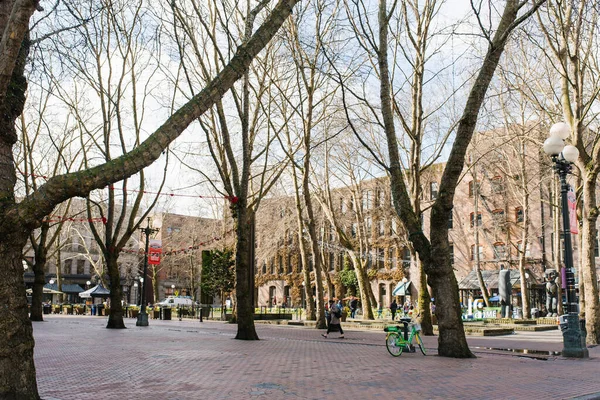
(93,309)
(166,313)
(99,309)
(47,308)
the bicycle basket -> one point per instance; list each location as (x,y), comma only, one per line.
(391,328)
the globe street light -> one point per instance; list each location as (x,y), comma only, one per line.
(143,316)
(563,157)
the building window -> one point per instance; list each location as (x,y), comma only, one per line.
(519,214)
(451,254)
(264,267)
(369,226)
(289,263)
(380,198)
(67,266)
(497,184)
(80,267)
(367,199)
(331,261)
(381,225)
(451,220)
(499,251)
(472,187)
(392,257)
(406,257)
(280,258)
(480,251)
(472,219)
(380,258)
(342,205)
(394,227)
(433,190)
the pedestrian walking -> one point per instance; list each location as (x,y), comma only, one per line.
(353,307)
(393,308)
(334,323)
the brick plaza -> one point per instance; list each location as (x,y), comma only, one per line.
(77,358)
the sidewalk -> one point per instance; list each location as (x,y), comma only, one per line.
(76,358)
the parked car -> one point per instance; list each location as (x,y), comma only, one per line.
(173,301)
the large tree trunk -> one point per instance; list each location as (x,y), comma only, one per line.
(424,302)
(115,318)
(440,275)
(363,287)
(39,280)
(588,262)
(244,272)
(17,380)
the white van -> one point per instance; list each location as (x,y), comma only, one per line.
(173,301)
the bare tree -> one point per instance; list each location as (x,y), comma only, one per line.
(433,251)
(247,163)
(17,371)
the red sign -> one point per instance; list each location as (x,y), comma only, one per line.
(572,201)
(154,251)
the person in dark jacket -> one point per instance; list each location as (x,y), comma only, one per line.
(353,307)
(393,308)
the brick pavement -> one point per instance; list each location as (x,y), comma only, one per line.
(76,358)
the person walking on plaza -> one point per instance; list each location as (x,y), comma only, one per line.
(393,308)
(353,307)
(334,323)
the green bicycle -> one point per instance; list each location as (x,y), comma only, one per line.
(397,339)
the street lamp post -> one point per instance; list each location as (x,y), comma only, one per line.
(142,319)
(563,157)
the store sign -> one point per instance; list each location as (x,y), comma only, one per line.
(154,251)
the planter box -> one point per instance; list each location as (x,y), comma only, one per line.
(155,314)
(79,311)
(68,310)
(134,313)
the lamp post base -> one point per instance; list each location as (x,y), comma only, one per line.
(574,335)
(142,319)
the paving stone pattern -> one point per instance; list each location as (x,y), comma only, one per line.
(77,358)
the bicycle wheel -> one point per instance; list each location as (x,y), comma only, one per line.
(420,343)
(393,345)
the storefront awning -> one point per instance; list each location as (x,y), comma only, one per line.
(401,289)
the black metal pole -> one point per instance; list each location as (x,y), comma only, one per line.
(573,329)
(562,169)
(143,316)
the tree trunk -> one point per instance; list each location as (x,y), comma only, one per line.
(244,272)
(115,318)
(440,275)
(588,262)
(36,311)
(17,380)
(424,302)
(363,283)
